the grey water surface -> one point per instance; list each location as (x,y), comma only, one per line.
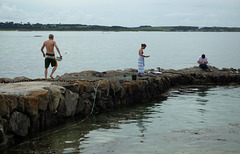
(193,119)
(20,53)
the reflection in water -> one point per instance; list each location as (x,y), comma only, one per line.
(171,125)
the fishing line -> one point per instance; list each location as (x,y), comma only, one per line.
(58,130)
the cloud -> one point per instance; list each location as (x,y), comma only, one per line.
(124,12)
(11,13)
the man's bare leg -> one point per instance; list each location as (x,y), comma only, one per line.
(45,72)
(53,70)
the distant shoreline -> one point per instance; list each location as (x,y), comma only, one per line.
(117,31)
(11,26)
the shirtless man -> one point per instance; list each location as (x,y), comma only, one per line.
(50,55)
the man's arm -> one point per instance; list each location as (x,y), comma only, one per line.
(42,49)
(57,49)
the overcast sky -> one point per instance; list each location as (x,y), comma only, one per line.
(128,13)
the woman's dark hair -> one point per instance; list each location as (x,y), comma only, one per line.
(143,45)
(203,56)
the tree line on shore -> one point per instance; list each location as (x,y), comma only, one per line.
(79,27)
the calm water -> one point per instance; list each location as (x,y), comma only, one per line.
(101,51)
(189,120)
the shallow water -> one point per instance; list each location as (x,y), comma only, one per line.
(184,120)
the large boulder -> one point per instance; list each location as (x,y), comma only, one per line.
(43,98)
(6,80)
(11,101)
(1,134)
(21,78)
(55,94)
(4,109)
(31,105)
(71,100)
(19,124)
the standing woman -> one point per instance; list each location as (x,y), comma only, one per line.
(141,60)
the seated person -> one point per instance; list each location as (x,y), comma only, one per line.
(202,61)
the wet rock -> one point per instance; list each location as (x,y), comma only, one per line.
(71,100)
(4,109)
(87,108)
(47,119)
(47,103)
(11,101)
(21,105)
(1,134)
(19,124)
(80,105)
(61,109)
(54,97)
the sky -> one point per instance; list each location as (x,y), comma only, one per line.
(128,13)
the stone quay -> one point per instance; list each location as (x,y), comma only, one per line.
(28,105)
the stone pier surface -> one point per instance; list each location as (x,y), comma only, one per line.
(31,105)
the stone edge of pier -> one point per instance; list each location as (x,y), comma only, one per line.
(31,105)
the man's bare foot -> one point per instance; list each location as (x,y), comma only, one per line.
(51,76)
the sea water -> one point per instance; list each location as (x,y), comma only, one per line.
(20,53)
(188,120)
(193,119)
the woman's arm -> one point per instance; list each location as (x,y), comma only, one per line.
(141,53)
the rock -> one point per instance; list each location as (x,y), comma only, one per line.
(61,110)
(81,106)
(130,70)
(31,104)
(233,69)
(84,86)
(130,87)
(11,101)
(21,105)
(38,104)
(71,100)
(116,89)
(43,98)
(75,87)
(4,109)
(19,124)
(55,94)
(6,80)
(1,134)
(102,85)
(225,69)
(87,109)
(98,74)
(47,119)
(90,72)
(21,78)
